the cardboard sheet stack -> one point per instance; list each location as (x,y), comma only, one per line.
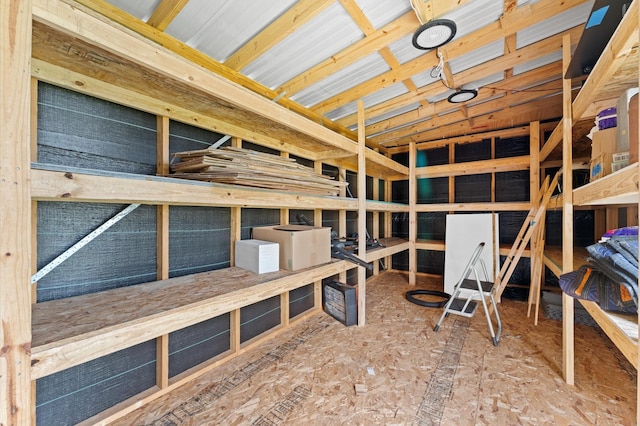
(251,168)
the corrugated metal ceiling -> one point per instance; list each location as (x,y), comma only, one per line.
(326,60)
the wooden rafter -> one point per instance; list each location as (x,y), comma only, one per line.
(549,73)
(166,12)
(285,25)
(497,65)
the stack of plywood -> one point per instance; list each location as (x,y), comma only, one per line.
(251,168)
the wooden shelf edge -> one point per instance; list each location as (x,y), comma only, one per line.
(392,246)
(622,329)
(620,187)
(437,245)
(52,357)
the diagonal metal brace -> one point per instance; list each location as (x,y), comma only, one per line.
(83,242)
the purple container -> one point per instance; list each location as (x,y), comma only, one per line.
(607,118)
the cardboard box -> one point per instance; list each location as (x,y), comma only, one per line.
(600,166)
(300,246)
(627,107)
(258,256)
(604,141)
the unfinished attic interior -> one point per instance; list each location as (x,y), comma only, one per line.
(319,212)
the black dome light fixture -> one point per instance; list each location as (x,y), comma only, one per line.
(462,95)
(434,34)
(431,34)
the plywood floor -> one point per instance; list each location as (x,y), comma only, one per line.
(412,375)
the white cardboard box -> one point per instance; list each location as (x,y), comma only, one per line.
(258,256)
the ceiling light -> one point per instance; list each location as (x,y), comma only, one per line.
(462,95)
(434,34)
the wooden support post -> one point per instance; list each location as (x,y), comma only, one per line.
(635,221)
(375,231)
(162,250)
(162,229)
(342,217)
(16,401)
(567,215)
(234,330)
(493,173)
(34,204)
(235,220)
(413,231)
(284,309)
(599,223)
(284,213)
(452,179)
(388,222)
(632,216)
(317,213)
(611,220)
(34,217)
(317,294)
(534,187)
(362,215)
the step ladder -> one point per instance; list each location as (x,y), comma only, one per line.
(530,225)
(473,288)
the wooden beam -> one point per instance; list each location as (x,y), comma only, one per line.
(567,218)
(415,66)
(474,167)
(358,50)
(473,207)
(166,12)
(181,49)
(413,215)
(527,79)
(285,25)
(476,137)
(544,109)
(362,216)
(16,400)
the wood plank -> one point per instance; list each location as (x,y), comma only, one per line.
(16,399)
(362,215)
(50,185)
(285,25)
(475,167)
(617,67)
(75,330)
(527,79)
(166,12)
(177,47)
(413,213)
(390,247)
(173,69)
(474,207)
(567,217)
(622,329)
(620,187)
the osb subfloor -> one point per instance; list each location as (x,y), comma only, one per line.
(408,374)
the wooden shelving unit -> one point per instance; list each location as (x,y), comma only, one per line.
(137,73)
(616,71)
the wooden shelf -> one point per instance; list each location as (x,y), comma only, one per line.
(620,187)
(54,183)
(180,89)
(553,258)
(71,331)
(622,329)
(437,245)
(391,246)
